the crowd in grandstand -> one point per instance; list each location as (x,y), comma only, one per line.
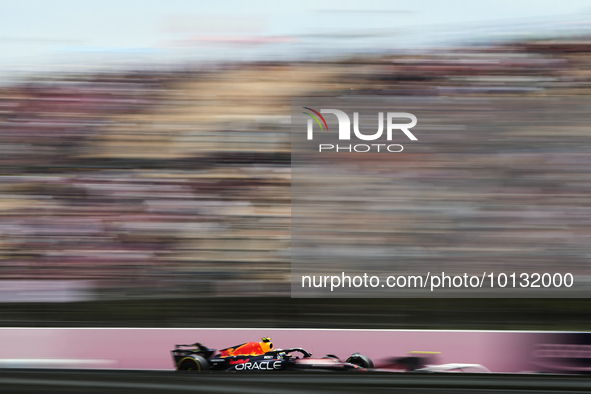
(160,183)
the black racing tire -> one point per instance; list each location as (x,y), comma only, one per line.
(360,360)
(193,364)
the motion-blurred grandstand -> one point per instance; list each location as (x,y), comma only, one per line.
(164,184)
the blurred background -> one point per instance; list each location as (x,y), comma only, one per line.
(145,164)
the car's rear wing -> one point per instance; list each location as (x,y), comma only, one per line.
(195,348)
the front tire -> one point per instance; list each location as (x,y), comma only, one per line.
(193,364)
(360,360)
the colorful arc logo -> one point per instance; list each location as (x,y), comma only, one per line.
(315,118)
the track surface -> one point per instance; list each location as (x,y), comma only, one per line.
(95,381)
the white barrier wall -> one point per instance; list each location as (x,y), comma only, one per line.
(138,348)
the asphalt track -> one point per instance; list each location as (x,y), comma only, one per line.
(110,381)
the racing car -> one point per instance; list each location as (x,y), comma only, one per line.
(421,361)
(260,356)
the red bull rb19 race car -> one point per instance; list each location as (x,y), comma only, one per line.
(260,356)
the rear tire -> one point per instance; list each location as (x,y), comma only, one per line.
(360,360)
(193,364)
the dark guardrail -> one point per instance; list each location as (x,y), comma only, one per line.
(111,381)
